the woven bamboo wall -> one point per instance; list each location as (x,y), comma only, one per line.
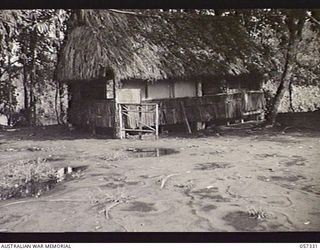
(94,112)
(206,108)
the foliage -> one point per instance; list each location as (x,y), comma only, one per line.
(29,45)
(30,41)
(24,178)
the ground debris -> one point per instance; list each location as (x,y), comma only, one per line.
(189,185)
(257,214)
(165,179)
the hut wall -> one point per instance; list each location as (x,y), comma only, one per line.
(98,113)
(185,89)
(210,108)
(204,109)
(162,89)
(134,84)
(88,106)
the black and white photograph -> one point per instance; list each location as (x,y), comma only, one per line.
(159,120)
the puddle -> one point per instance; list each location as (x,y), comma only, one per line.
(139,206)
(213,166)
(35,188)
(208,208)
(210,193)
(112,185)
(241,221)
(151,152)
(29,189)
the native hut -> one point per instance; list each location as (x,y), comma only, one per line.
(196,68)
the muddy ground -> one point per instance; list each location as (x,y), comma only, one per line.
(237,180)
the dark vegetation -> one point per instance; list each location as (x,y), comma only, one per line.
(30,42)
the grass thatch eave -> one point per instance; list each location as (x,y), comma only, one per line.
(154,48)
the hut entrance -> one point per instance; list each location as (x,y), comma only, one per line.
(138,119)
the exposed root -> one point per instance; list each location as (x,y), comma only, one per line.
(164,180)
(30,201)
(107,210)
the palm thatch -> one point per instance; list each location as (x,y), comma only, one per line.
(155,47)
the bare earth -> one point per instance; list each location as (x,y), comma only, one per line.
(243,180)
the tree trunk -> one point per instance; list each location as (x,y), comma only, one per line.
(33,46)
(285,77)
(56,103)
(62,109)
(290,95)
(25,89)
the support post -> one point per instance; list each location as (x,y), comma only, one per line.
(199,89)
(140,121)
(157,120)
(116,114)
(185,117)
(121,122)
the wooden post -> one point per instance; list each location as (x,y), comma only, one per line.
(116,115)
(199,89)
(157,121)
(140,120)
(185,117)
(121,122)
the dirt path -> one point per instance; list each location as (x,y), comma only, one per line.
(235,182)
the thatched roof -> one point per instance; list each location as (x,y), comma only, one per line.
(153,48)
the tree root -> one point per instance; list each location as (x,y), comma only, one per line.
(30,201)
(107,210)
(164,180)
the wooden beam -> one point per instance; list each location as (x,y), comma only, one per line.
(185,117)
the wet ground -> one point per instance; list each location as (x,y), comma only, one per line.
(243,180)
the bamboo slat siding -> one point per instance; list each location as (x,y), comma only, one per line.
(206,108)
(94,112)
